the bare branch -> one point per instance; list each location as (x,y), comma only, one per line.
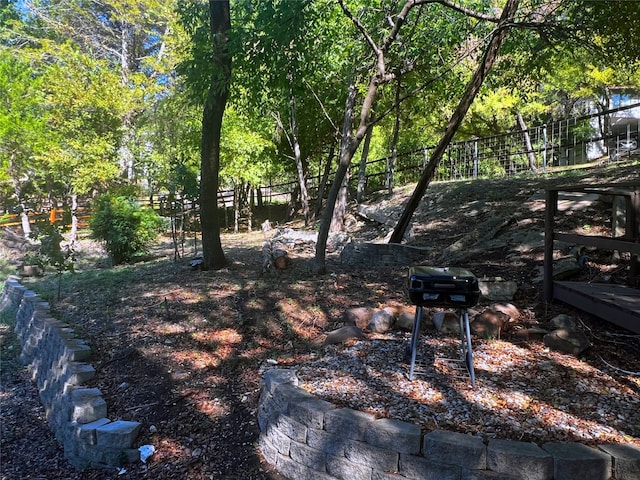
(360,27)
(467,11)
(324,110)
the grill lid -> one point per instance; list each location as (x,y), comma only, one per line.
(443,287)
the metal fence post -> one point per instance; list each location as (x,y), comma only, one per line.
(544,148)
(475,159)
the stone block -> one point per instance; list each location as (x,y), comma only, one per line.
(405,321)
(269,452)
(626,460)
(377,475)
(497,289)
(359,316)
(394,435)
(285,395)
(412,466)
(313,458)
(485,475)
(79,373)
(113,457)
(292,428)
(382,321)
(87,405)
(377,458)
(267,410)
(343,334)
(292,469)
(279,376)
(526,461)
(347,423)
(576,461)
(279,440)
(343,469)
(77,350)
(118,434)
(572,341)
(86,433)
(327,442)
(310,412)
(454,448)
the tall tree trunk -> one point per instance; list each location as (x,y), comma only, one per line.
(73,234)
(340,208)
(236,208)
(362,171)
(323,181)
(527,142)
(250,202)
(478,78)
(348,146)
(17,191)
(124,152)
(297,153)
(391,170)
(219,24)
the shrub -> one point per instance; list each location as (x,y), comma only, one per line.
(126,228)
(53,252)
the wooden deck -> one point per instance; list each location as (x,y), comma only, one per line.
(617,304)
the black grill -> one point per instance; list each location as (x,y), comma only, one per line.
(443,287)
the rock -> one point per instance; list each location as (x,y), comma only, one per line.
(565,268)
(489,324)
(533,333)
(381,321)
(446,322)
(563,321)
(497,289)
(31,271)
(567,340)
(508,309)
(343,334)
(400,308)
(405,321)
(360,317)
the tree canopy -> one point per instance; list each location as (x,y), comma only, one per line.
(96,95)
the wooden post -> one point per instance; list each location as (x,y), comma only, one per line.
(633,228)
(551,205)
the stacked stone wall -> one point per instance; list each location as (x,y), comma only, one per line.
(308,438)
(58,363)
(381,254)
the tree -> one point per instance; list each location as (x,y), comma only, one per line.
(22,130)
(245,160)
(391,57)
(490,56)
(130,36)
(573,23)
(214,107)
(290,65)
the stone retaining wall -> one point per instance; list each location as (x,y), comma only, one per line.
(57,362)
(382,254)
(308,438)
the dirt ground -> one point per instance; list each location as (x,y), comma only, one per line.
(181,350)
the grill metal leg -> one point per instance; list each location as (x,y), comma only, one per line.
(465,338)
(415,333)
(467,350)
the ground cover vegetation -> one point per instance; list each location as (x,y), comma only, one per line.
(182,351)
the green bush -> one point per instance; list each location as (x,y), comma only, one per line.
(126,228)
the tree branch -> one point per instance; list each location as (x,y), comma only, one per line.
(467,11)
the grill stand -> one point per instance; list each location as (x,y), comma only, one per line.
(465,338)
